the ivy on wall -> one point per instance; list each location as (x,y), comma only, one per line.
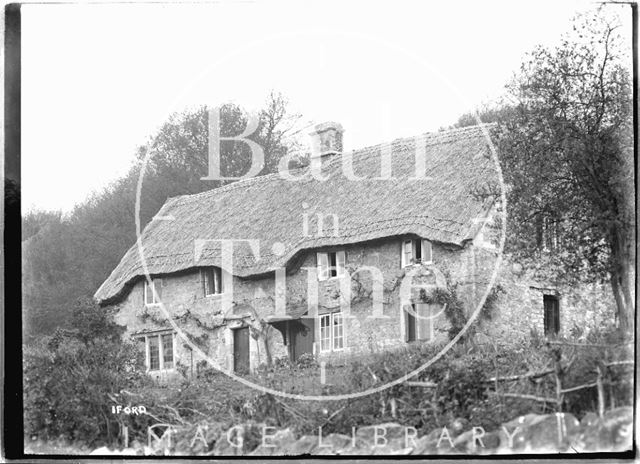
(455,310)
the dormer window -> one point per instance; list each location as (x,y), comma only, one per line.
(152,298)
(416,251)
(211,281)
(331,264)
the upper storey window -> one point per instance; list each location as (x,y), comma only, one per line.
(416,251)
(211,281)
(152,298)
(331,264)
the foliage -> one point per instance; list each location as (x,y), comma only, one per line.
(456,313)
(70,379)
(565,140)
(566,154)
(461,390)
(486,113)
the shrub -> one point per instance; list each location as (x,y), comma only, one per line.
(70,379)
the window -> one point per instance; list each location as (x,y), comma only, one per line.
(151,298)
(338,331)
(212,281)
(548,231)
(551,315)
(419,322)
(331,264)
(416,251)
(331,332)
(167,351)
(154,353)
(160,355)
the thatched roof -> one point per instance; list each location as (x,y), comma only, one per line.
(270,209)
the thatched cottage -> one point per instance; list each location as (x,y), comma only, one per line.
(340,257)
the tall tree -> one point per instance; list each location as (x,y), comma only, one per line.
(566,151)
(68,256)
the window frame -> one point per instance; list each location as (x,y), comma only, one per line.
(409,259)
(413,318)
(153,295)
(203,279)
(161,351)
(549,237)
(330,328)
(324,258)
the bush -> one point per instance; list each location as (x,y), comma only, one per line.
(72,378)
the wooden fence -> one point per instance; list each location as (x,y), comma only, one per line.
(559,371)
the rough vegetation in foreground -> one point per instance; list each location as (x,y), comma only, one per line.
(473,385)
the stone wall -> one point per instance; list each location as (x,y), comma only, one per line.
(517,311)
(205,323)
(557,433)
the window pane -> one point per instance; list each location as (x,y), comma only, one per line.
(217,280)
(149,297)
(338,339)
(157,284)
(418,253)
(148,294)
(206,279)
(323,265)
(212,280)
(154,353)
(407,252)
(333,264)
(209,284)
(426,251)
(340,262)
(167,350)
(325,334)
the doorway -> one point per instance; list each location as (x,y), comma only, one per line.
(241,350)
(551,315)
(300,337)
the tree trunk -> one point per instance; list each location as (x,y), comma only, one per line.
(267,350)
(622,278)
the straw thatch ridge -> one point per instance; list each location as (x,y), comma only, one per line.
(271,209)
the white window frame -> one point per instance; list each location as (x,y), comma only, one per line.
(154,281)
(323,259)
(331,317)
(147,345)
(203,279)
(411,259)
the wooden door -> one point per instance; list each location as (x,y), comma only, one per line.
(551,315)
(301,338)
(410,325)
(241,350)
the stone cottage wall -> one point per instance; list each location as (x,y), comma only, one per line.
(517,312)
(202,320)
(520,309)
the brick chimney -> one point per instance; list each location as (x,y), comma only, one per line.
(326,140)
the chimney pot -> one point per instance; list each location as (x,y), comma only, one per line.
(326,139)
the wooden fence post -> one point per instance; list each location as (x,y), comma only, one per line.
(600,392)
(558,374)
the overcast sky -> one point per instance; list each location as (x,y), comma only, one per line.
(98,80)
